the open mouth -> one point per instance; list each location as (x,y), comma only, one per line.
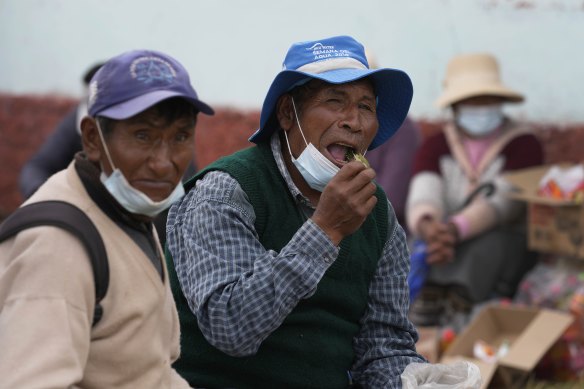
(342,153)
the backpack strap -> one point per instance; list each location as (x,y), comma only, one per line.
(68,217)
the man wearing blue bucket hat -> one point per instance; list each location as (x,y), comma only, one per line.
(287,263)
(137,142)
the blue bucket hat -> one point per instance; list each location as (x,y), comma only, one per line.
(338,60)
(135,81)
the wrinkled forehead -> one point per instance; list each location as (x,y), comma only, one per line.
(315,86)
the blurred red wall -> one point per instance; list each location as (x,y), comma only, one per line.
(26,121)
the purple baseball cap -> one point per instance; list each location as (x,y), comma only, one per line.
(338,60)
(135,81)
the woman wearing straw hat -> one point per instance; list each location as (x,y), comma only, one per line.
(457,202)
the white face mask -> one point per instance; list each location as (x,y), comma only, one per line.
(135,201)
(131,198)
(479,120)
(315,168)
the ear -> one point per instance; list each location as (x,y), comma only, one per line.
(90,139)
(285,112)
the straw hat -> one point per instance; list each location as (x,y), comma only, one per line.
(371,59)
(471,75)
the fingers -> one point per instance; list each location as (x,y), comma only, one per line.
(437,231)
(346,201)
(440,241)
(356,173)
(439,253)
(354,188)
(354,179)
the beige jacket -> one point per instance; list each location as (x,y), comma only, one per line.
(47,300)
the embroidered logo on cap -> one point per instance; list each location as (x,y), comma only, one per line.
(152,69)
(321,51)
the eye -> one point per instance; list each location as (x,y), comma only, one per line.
(142,135)
(334,101)
(182,136)
(367,107)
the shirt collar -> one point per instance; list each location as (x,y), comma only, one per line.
(276,147)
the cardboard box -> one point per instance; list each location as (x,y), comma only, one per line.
(554,226)
(530,333)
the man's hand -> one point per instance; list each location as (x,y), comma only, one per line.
(346,201)
(440,240)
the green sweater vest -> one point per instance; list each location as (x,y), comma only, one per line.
(313,346)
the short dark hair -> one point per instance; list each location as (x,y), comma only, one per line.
(170,110)
(300,94)
(89,73)
(303,92)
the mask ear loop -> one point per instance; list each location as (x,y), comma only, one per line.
(299,127)
(109,158)
(298,121)
(288,144)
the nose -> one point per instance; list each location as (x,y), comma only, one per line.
(160,159)
(350,119)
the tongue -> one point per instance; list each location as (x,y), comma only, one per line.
(337,151)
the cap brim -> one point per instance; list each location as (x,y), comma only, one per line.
(393,88)
(141,103)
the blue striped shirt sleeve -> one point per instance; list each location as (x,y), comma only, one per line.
(385,344)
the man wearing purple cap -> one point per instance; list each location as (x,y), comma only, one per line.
(288,266)
(137,142)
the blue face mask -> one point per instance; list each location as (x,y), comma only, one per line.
(130,198)
(314,167)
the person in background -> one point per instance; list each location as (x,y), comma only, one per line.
(289,265)
(137,142)
(393,161)
(458,202)
(58,150)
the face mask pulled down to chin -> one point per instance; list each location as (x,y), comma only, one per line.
(479,120)
(135,201)
(130,198)
(314,167)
